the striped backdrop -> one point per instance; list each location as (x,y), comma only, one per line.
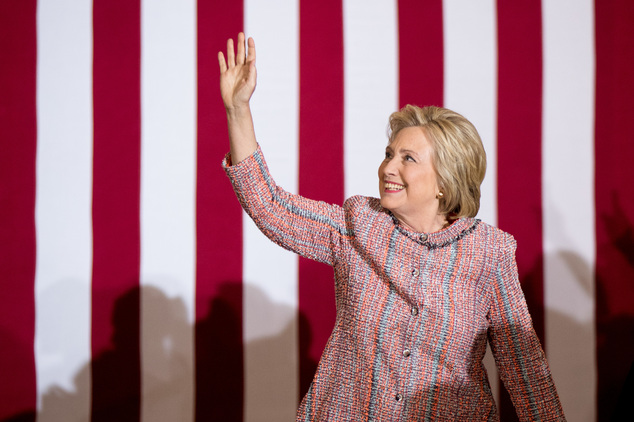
(134,289)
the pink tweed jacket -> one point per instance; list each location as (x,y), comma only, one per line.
(414,311)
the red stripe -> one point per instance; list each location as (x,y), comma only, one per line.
(614,200)
(18,138)
(116,381)
(321,163)
(420,44)
(219,349)
(519,146)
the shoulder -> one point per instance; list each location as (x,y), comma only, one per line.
(366,217)
(359,204)
(489,245)
(498,246)
(494,237)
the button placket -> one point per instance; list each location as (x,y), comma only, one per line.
(413,311)
(415,274)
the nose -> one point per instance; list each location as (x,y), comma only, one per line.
(390,166)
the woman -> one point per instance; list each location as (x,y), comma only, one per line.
(421,285)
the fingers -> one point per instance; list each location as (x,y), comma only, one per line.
(241,58)
(231,57)
(251,51)
(221,62)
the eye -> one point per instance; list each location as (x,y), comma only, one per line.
(409,158)
(388,154)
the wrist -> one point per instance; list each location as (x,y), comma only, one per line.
(238,110)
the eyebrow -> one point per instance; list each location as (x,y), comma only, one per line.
(403,151)
(410,151)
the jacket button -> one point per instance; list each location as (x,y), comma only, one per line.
(406,353)
(415,272)
(398,397)
(414,311)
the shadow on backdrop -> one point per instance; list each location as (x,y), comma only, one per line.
(112,380)
(219,357)
(115,389)
(615,330)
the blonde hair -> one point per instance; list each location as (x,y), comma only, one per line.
(458,155)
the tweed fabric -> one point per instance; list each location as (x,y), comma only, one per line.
(414,311)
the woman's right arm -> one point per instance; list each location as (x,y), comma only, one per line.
(310,228)
(237,82)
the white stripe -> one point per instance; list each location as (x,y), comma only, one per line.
(568,203)
(370,89)
(470,50)
(168,168)
(270,273)
(63,210)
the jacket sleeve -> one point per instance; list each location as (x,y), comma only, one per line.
(312,229)
(518,354)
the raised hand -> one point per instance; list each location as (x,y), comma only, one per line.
(237,83)
(237,74)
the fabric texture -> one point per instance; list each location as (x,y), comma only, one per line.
(414,310)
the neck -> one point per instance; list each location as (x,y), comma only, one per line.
(425,224)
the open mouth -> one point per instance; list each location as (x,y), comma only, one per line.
(393,187)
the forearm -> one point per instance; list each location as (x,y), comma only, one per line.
(241,133)
(312,229)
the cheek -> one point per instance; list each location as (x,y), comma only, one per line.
(434,181)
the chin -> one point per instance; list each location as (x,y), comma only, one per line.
(385,204)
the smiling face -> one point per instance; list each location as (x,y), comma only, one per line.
(407,179)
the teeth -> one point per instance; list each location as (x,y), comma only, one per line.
(392,186)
